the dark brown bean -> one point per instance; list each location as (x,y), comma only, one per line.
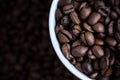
(94,75)
(85,12)
(110,29)
(79,51)
(66,51)
(58,14)
(74,17)
(91,55)
(59,28)
(94,18)
(87,27)
(89,37)
(117,36)
(113,14)
(64,2)
(99,42)
(98,51)
(111,41)
(96,65)
(87,67)
(108,72)
(68,8)
(76,30)
(78,66)
(76,43)
(99,27)
(118,25)
(65,21)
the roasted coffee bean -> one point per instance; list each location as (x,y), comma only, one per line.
(104,64)
(100,35)
(68,8)
(108,72)
(58,14)
(79,59)
(64,2)
(79,51)
(85,12)
(113,14)
(98,51)
(110,29)
(99,42)
(64,36)
(99,4)
(94,75)
(117,36)
(66,51)
(76,5)
(76,30)
(82,37)
(111,41)
(89,37)
(112,59)
(96,65)
(107,20)
(74,18)
(59,28)
(118,25)
(65,21)
(104,78)
(91,55)
(94,18)
(99,27)
(87,67)
(117,9)
(87,27)
(76,43)
(102,12)
(78,66)
(83,4)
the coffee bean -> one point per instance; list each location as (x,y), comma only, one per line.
(79,51)
(83,4)
(65,21)
(96,65)
(111,41)
(64,2)
(68,8)
(78,66)
(117,36)
(94,18)
(112,59)
(118,25)
(104,64)
(89,38)
(91,55)
(87,27)
(98,51)
(74,18)
(113,14)
(107,20)
(66,51)
(85,12)
(99,42)
(76,43)
(64,36)
(58,14)
(59,28)
(110,29)
(104,78)
(76,5)
(108,72)
(94,75)
(100,35)
(99,27)
(76,30)
(82,37)
(87,67)
(79,59)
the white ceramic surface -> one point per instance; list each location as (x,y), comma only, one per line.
(56,45)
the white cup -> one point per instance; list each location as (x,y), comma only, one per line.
(56,45)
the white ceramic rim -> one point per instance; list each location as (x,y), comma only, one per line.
(56,45)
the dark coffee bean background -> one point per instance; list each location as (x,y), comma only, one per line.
(26,51)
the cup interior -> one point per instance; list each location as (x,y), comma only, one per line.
(56,45)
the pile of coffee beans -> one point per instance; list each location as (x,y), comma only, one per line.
(89,36)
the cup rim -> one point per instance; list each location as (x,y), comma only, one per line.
(56,45)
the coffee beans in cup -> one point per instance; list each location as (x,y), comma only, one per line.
(89,35)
